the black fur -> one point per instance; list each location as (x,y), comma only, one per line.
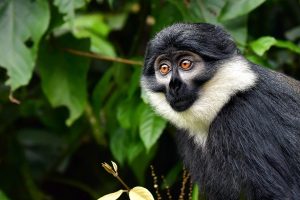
(253,145)
(209,41)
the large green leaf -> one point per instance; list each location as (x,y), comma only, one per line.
(21,21)
(151,126)
(236,8)
(93,26)
(64,75)
(263,44)
(207,10)
(125,113)
(102,90)
(238,29)
(119,143)
(68,7)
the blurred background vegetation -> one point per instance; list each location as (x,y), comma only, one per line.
(68,102)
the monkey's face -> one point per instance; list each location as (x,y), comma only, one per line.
(190,72)
(175,84)
(177,75)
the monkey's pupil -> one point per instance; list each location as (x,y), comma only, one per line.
(185,64)
(164,69)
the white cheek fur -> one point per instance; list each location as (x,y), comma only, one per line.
(233,76)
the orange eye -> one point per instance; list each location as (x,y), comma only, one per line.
(185,64)
(164,69)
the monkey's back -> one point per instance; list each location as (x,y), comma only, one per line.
(253,145)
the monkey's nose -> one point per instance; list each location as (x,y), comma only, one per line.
(175,86)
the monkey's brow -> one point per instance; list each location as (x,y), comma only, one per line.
(163,57)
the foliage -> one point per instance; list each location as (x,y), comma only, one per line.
(75,66)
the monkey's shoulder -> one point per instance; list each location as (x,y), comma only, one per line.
(277,81)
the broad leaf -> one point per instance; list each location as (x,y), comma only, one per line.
(119,143)
(64,75)
(68,7)
(93,26)
(207,10)
(151,126)
(102,89)
(21,21)
(140,193)
(139,161)
(238,29)
(125,113)
(288,45)
(112,196)
(263,44)
(234,8)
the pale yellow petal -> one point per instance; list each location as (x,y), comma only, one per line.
(112,196)
(140,193)
(115,166)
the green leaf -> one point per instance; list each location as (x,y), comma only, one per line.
(238,29)
(64,75)
(134,82)
(125,112)
(21,21)
(172,176)
(162,12)
(134,150)
(68,7)
(195,192)
(141,163)
(288,45)
(236,8)
(119,143)
(263,44)
(207,10)
(102,89)
(93,26)
(151,126)
(3,196)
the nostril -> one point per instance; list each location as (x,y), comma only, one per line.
(175,85)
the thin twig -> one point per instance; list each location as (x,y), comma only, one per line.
(123,183)
(101,57)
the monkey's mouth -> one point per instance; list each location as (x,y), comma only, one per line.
(180,105)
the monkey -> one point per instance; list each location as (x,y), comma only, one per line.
(238,123)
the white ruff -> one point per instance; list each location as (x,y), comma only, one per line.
(233,76)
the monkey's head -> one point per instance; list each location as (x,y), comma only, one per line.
(183,75)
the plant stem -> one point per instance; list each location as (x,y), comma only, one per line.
(101,57)
(122,182)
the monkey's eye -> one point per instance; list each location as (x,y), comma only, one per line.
(164,69)
(185,64)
